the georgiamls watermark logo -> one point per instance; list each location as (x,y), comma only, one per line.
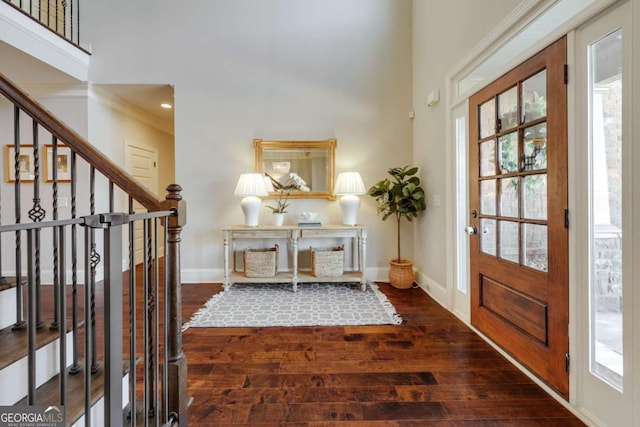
(32,416)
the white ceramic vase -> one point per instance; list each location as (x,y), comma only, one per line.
(278,218)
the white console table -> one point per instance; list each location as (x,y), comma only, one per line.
(295,236)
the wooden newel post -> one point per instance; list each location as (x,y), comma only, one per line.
(177,361)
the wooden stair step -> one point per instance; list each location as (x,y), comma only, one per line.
(15,342)
(10,282)
(48,393)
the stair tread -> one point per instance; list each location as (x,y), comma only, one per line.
(15,342)
(48,393)
(9,282)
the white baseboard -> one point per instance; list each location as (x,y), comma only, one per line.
(434,289)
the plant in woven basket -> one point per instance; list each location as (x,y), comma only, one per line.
(400,197)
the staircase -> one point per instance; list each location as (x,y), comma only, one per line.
(78,330)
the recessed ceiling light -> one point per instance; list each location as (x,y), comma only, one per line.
(166,105)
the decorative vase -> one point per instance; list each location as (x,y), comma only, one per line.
(278,218)
(401,273)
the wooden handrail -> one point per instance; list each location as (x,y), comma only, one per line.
(80,145)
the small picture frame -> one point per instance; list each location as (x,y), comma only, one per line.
(62,163)
(27,165)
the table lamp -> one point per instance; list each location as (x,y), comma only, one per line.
(349,185)
(249,187)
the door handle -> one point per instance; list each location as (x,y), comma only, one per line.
(471,230)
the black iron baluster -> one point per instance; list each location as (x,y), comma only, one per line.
(156,319)
(75,367)
(62,315)
(146,291)
(31,329)
(95,260)
(36,214)
(88,332)
(54,175)
(20,323)
(132,318)
(165,305)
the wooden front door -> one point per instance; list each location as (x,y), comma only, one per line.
(518,219)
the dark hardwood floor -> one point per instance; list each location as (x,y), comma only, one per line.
(430,371)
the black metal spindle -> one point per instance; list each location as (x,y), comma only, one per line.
(151,313)
(95,259)
(132,317)
(113,317)
(31,329)
(20,323)
(62,315)
(88,332)
(156,318)
(75,366)
(165,358)
(36,214)
(147,410)
(54,175)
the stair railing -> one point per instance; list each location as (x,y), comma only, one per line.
(91,174)
(61,17)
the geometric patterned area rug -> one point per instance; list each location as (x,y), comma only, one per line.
(314,304)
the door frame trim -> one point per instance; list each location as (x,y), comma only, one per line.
(521,17)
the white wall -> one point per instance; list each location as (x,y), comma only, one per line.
(273,69)
(443,33)
(111,123)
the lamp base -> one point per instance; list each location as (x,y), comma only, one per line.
(251,209)
(349,203)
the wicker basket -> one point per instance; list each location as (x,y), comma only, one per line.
(261,262)
(327,262)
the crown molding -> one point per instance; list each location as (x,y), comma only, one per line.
(118,104)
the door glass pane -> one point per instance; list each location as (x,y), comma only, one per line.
(509,240)
(534,246)
(534,97)
(488,236)
(534,196)
(487,119)
(509,197)
(508,104)
(606,208)
(488,158)
(535,147)
(508,146)
(488,197)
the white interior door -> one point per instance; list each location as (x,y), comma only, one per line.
(141,162)
(607,383)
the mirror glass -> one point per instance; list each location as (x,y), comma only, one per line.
(309,163)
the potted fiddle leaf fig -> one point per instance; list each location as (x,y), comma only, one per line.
(400,197)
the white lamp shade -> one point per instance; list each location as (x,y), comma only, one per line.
(251,185)
(349,183)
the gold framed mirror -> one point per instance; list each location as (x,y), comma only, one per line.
(312,161)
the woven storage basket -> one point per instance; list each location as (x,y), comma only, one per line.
(327,262)
(261,262)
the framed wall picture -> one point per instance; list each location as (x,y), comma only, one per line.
(26,162)
(62,163)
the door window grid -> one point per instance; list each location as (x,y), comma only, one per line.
(513,181)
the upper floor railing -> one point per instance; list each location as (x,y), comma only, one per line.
(62,17)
